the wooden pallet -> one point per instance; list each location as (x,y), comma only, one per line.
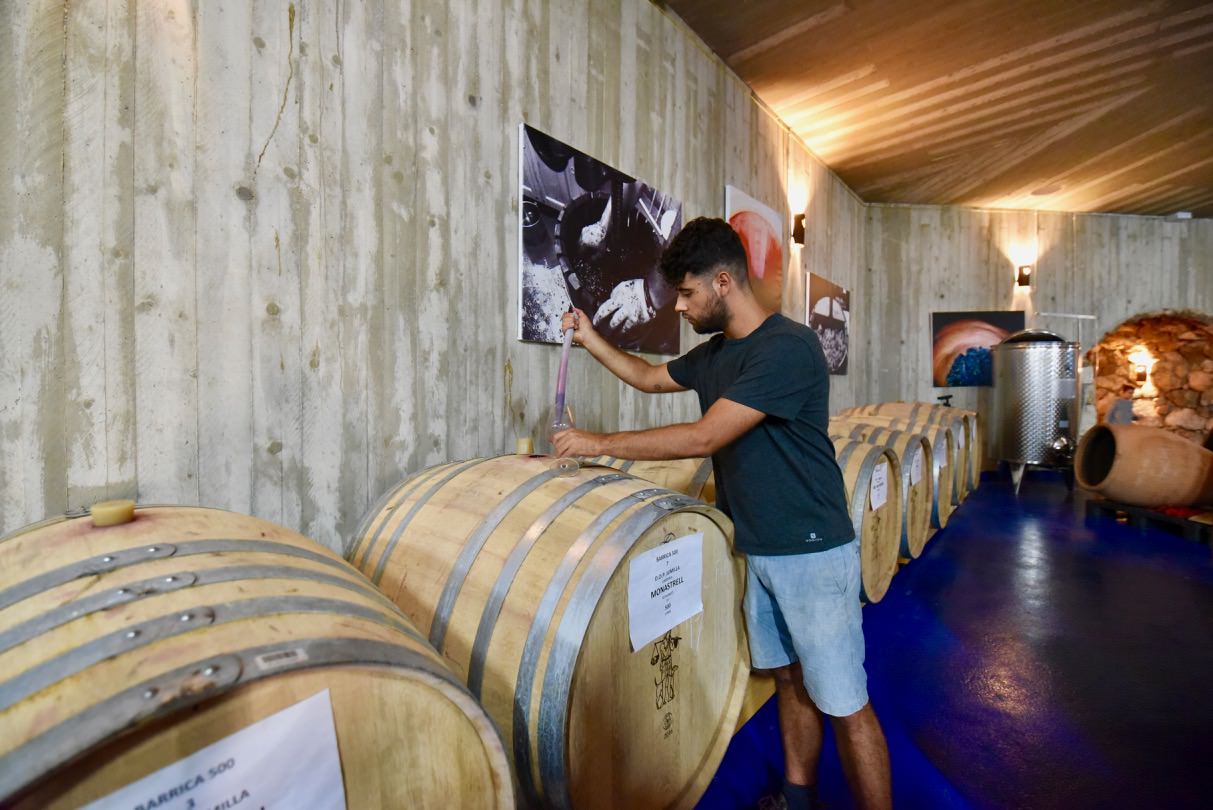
(1198,527)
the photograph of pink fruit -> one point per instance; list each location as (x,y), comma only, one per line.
(761,231)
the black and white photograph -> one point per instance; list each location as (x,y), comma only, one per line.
(592,237)
(828,308)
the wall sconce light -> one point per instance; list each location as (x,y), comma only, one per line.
(1024,279)
(798,229)
(1140,361)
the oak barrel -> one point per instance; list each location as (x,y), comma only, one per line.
(685,475)
(520,577)
(971,440)
(878,529)
(913,453)
(953,445)
(124,648)
(690,476)
(1144,466)
(941,457)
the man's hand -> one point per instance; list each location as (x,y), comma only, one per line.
(574,442)
(724,423)
(580,323)
(635,371)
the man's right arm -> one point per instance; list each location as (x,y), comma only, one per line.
(635,371)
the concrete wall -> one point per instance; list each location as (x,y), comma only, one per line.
(263,256)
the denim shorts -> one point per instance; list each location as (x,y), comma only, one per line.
(805,607)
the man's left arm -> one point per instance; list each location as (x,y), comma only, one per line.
(725,422)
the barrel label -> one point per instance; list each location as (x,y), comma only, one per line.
(665,588)
(879,491)
(916,467)
(288,759)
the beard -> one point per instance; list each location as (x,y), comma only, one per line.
(714,320)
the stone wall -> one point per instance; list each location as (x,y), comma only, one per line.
(1173,351)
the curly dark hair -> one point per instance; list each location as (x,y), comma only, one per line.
(705,246)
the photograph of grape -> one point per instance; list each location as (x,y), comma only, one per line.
(960,351)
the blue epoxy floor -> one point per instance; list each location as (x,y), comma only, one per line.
(1029,660)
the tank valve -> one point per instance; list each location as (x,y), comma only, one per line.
(1062,444)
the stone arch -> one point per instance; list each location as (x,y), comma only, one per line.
(1162,364)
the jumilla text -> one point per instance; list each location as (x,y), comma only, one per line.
(671,584)
(185,787)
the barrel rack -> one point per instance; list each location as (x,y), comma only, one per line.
(1144,518)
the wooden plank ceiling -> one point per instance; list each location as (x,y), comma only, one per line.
(1063,105)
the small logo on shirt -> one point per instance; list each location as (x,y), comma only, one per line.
(812,538)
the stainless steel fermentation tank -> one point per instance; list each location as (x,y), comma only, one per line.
(1036,401)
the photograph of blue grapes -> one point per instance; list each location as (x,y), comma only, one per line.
(961,342)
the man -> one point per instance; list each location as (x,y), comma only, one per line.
(764,391)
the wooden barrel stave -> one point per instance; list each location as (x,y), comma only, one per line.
(918,412)
(940,442)
(690,476)
(917,499)
(686,472)
(511,569)
(878,530)
(958,453)
(153,616)
(99,591)
(100,696)
(975,440)
(160,742)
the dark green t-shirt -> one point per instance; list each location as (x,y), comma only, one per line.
(779,482)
